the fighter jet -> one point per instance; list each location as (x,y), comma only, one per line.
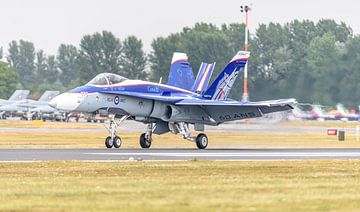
(28,107)
(18,95)
(166,108)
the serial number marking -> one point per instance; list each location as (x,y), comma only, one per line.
(237,116)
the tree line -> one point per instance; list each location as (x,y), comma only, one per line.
(314,62)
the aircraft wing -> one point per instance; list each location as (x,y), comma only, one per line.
(205,102)
(229,110)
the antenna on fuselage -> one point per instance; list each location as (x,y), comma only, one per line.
(160,80)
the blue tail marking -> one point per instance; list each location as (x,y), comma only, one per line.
(181,75)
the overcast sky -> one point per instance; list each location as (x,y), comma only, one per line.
(48,23)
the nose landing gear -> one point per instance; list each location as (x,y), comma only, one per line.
(113,140)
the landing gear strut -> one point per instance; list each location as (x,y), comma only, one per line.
(113,140)
(145,138)
(183,128)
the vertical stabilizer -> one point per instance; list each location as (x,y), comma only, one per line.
(19,95)
(48,95)
(181,75)
(222,85)
(203,77)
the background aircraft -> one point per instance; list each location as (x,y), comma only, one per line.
(18,95)
(166,108)
(27,108)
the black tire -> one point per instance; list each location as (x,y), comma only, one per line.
(117,142)
(145,143)
(109,142)
(202,141)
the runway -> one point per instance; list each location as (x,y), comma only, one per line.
(27,155)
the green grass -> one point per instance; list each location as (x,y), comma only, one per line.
(311,185)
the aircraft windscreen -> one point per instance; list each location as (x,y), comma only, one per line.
(107,79)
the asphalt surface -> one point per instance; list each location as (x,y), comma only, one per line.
(13,155)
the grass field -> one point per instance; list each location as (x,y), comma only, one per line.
(309,185)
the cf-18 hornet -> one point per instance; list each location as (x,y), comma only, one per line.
(173,107)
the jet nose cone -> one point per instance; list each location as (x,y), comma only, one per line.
(67,101)
(53,103)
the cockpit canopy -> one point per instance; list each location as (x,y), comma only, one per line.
(106,79)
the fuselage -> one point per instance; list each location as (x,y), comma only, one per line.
(130,97)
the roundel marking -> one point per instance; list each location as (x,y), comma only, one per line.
(116,100)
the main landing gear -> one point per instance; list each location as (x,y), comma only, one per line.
(145,138)
(201,140)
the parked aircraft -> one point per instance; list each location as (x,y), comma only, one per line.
(29,108)
(18,95)
(166,108)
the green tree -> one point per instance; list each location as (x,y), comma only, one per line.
(349,68)
(52,71)
(67,58)
(40,66)
(99,52)
(133,59)
(160,57)
(21,58)
(202,43)
(8,80)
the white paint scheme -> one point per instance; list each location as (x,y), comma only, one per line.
(67,101)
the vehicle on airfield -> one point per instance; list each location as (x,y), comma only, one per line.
(18,95)
(319,114)
(32,109)
(166,108)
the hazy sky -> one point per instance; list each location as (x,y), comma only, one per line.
(48,23)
